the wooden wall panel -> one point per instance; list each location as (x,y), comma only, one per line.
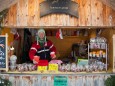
(104,14)
(44,79)
(12,15)
(22,13)
(88,13)
(91,13)
(108,17)
(99,14)
(108,34)
(36,11)
(84,13)
(31,12)
(94,12)
(113,15)
(76,21)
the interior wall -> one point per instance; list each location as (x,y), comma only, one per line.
(108,33)
(64,46)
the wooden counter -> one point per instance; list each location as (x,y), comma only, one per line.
(58,73)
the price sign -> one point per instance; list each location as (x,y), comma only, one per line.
(60,81)
(42,68)
(53,67)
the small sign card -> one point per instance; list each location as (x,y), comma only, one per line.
(60,81)
(53,67)
(42,68)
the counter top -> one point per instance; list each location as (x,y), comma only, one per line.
(55,73)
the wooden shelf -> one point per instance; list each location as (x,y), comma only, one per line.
(69,36)
(83,37)
(97,49)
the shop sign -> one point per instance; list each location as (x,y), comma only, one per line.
(3,52)
(60,81)
(53,67)
(59,6)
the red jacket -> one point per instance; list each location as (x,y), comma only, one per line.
(43,52)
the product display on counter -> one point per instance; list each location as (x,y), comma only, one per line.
(98,66)
(23,67)
(12,63)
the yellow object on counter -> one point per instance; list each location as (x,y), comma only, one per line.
(53,67)
(42,68)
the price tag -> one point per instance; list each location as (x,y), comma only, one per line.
(60,81)
(53,67)
(42,68)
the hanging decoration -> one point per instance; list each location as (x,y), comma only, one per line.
(59,34)
(2,16)
(16,34)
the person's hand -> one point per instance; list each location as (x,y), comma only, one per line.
(36,59)
(35,62)
(53,55)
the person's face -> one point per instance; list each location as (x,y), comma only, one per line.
(41,35)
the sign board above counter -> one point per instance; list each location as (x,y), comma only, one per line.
(59,6)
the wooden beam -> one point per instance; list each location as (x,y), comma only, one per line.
(62,27)
(4,4)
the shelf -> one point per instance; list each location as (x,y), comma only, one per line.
(96,57)
(70,36)
(97,49)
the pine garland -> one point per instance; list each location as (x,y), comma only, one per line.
(3,15)
(5,82)
(110,81)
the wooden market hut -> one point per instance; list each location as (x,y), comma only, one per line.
(25,14)
(93,14)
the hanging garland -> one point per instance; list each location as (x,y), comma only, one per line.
(2,16)
(5,82)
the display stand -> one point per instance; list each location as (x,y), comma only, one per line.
(97,51)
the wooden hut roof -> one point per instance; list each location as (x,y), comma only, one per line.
(4,4)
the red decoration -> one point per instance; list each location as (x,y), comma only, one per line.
(43,63)
(59,34)
(16,36)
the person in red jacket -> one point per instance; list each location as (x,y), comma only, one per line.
(42,49)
